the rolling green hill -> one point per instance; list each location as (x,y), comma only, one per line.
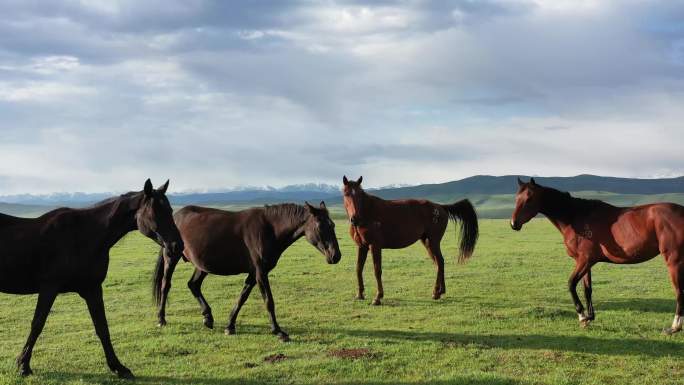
(493,196)
(23,210)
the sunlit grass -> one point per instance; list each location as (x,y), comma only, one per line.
(506,319)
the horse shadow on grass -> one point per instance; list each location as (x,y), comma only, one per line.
(671,346)
(651,305)
(168,380)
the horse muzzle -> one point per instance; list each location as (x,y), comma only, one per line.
(516,226)
(334,258)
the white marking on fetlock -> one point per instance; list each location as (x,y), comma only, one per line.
(677,323)
(582,317)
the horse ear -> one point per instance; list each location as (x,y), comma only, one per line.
(345,180)
(520,182)
(322,206)
(163,188)
(309,207)
(148,187)
(360,180)
(533,182)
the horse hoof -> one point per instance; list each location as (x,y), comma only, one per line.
(209,323)
(229,331)
(124,373)
(376,302)
(25,371)
(584,324)
(670,331)
(360,297)
(161,323)
(436,296)
(284,337)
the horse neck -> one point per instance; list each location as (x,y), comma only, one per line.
(556,206)
(371,202)
(288,229)
(118,218)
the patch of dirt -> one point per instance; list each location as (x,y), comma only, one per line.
(553,355)
(466,344)
(273,358)
(353,354)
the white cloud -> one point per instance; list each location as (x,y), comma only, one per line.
(100,95)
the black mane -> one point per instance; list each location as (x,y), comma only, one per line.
(291,211)
(562,205)
(113,199)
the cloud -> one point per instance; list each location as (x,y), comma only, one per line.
(99,95)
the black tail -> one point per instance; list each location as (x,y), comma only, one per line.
(158,277)
(464,211)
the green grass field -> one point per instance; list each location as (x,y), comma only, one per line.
(506,319)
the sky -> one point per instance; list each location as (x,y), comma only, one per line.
(98,95)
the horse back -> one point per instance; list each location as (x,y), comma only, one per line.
(215,240)
(396,224)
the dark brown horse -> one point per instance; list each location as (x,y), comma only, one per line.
(595,231)
(250,241)
(67,250)
(378,224)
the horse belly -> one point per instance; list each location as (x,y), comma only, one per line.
(19,286)
(18,274)
(220,261)
(18,281)
(399,237)
(631,242)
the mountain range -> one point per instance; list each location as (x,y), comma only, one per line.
(492,195)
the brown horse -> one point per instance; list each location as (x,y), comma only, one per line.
(67,250)
(378,224)
(595,231)
(250,241)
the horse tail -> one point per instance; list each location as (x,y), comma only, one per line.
(464,211)
(158,277)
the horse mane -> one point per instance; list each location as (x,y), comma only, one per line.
(115,202)
(107,201)
(291,211)
(562,205)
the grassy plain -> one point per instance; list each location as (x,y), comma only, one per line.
(506,319)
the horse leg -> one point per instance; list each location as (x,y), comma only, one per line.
(195,286)
(249,284)
(581,268)
(377,269)
(265,288)
(169,267)
(435,252)
(93,298)
(586,280)
(362,254)
(46,298)
(677,277)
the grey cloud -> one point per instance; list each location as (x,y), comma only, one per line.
(217,93)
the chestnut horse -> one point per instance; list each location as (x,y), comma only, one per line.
(595,231)
(67,250)
(249,241)
(378,224)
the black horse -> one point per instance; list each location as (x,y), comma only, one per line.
(250,241)
(67,250)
